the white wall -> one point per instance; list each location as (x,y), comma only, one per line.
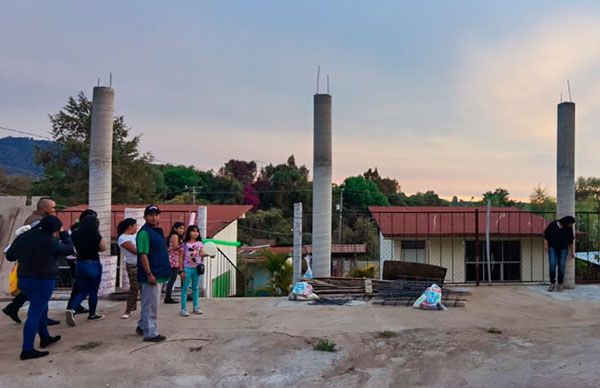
(449,252)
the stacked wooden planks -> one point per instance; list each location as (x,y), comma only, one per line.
(385,292)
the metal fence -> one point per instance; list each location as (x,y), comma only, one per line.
(456,238)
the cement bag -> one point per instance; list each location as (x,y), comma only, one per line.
(431,299)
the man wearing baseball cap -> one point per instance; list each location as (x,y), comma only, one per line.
(153,268)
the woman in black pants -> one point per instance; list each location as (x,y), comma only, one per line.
(71,260)
(88,242)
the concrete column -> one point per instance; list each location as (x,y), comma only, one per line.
(203,221)
(101,137)
(297,250)
(565,173)
(321,233)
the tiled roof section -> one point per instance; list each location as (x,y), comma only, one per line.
(219,216)
(413,221)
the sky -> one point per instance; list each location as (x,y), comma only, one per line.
(458,97)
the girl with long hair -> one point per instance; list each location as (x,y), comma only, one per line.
(191,267)
(126,231)
(174,248)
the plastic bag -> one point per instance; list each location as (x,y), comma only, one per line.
(302,291)
(308,274)
(13,281)
(431,299)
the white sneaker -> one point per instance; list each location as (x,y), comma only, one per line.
(184,313)
(70,318)
(197,311)
(125,316)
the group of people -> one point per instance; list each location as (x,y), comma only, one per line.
(149,261)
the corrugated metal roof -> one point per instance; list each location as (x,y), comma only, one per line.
(416,221)
(219,216)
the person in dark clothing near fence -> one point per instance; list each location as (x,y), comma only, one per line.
(558,241)
(88,243)
(46,206)
(37,253)
(73,266)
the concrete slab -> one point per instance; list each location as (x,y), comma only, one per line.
(585,292)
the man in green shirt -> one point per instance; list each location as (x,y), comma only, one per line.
(153,269)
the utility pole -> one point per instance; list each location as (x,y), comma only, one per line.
(193,188)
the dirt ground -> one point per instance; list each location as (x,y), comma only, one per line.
(256,342)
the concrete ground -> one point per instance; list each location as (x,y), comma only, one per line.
(504,337)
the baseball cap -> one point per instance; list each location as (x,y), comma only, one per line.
(151,209)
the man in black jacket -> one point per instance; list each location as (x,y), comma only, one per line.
(46,206)
(38,252)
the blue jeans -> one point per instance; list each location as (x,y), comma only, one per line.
(557,257)
(89,274)
(191,276)
(39,292)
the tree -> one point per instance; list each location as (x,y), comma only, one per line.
(428,198)
(178,179)
(14,184)
(359,193)
(266,224)
(541,202)
(66,164)
(244,172)
(280,269)
(388,186)
(499,197)
(283,185)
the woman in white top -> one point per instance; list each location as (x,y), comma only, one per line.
(126,230)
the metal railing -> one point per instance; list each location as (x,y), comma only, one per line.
(223,277)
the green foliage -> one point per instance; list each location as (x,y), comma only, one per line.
(325,345)
(367,271)
(540,202)
(14,184)
(428,198)
(178,178)
(244,172)
(499,198)
(359,193)
(66,166)
(280,268)
(266,224)
(283,185)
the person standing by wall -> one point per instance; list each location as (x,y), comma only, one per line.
(126,236)
(174,248)
(153,268)
(46,206)
(37,252)
(88,243)
(558,241)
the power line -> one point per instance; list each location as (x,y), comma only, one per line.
(25,133)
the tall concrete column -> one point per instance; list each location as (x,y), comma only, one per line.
(565,173)
(101,137)
(321,222)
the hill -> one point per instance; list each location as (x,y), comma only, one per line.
(17,155)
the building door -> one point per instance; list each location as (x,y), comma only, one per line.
(505,263)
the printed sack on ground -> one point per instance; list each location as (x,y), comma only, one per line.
(431,299)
